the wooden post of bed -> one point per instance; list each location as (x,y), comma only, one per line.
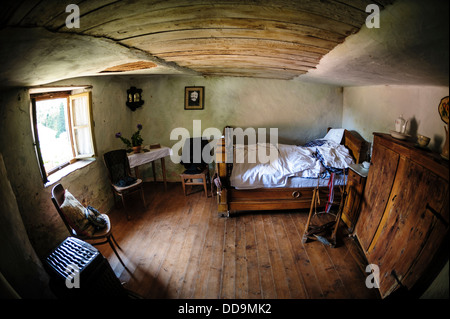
(221,170)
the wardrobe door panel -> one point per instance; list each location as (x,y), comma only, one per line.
(437,209)
(376,194)
(407,225)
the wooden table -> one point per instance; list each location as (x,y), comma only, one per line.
(148,155)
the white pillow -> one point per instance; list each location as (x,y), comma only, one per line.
(335,135)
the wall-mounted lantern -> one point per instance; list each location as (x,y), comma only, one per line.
(134,98)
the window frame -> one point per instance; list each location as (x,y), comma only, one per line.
(48,95)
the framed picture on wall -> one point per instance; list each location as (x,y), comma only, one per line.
(194,97)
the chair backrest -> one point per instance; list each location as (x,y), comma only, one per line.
(196,150)
(117,164)
(58,199)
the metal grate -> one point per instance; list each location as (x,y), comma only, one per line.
(71,252)
(74,257)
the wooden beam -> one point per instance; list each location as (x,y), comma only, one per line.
(332,15)
(261,52)
(225,44)
(232,33)
(130,28)
(243,61)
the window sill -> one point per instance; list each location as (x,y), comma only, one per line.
(55,177)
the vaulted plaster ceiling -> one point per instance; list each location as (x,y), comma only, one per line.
(323,41)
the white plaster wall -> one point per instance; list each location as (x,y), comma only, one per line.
(410,47)
(17,254)
(371,109)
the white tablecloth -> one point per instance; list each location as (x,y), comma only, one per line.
(147,157)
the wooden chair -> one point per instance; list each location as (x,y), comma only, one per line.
(101,236)
(190,179)
(120,173)
(196,165)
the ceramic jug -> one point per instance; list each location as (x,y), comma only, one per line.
(400,124)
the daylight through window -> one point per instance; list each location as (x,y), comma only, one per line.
(53,133)
(62,127)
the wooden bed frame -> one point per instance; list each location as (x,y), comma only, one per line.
(230,199)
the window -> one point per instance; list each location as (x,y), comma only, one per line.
(80,111)
(62,126)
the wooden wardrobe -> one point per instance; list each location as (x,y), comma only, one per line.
(403,223)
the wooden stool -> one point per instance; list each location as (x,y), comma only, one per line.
(188,179)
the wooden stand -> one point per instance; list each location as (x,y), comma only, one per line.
(319,232)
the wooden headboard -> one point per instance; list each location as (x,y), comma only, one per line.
(354,144)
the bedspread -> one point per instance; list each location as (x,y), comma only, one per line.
(292,160)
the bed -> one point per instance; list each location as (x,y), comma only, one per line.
(238,190)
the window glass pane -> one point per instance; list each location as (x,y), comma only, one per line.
(54,139)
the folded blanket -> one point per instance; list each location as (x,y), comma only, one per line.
(126,181)
(334,157)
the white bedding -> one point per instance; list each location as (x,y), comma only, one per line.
(292,161)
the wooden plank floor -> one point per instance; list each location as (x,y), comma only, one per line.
(180,248)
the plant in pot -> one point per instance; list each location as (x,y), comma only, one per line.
(136,139)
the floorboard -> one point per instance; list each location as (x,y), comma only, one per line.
(179,247)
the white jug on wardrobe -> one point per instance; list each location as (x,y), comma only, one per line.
(400,124)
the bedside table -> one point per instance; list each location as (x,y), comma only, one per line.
(356,182)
